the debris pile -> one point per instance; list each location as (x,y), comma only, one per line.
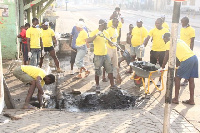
(146,65)
(114,99)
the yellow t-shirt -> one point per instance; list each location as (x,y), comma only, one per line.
(100,43)
(47,37)
(110,24)
(187,34)
(165,25)
(34,34)
(158,42)
(111,31)
(138,36)
(81,39)
(183,51)
(34,72)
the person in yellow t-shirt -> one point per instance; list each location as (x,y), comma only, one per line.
(101,57)
(139,33)
(48,38)
(112,50)
(116,14)
(81,49)
(188,68)
(164,24)
(187,34)
(158,49)
(36,77)
(34,43)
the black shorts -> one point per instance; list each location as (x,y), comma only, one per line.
(25,51)
(177,62)
(48,49)
(73,56)
(157,55)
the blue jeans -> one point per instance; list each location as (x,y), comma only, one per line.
(81,52)
(36,53)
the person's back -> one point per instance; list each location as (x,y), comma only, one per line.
(34,72)
(183,51)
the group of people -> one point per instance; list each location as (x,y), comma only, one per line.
(186,60)
(36,42)
(106,40)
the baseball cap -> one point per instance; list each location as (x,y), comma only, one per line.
(80,24)
(139,20)
(46,23)
(102,21)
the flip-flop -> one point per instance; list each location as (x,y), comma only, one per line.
(128,72)
(104,80)
(118,81)
(29,107)
(188,102)
(87,73)
(78,77)
(175,102)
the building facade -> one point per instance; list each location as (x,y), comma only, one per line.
(8,28)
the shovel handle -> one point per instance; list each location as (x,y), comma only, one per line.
(115,44)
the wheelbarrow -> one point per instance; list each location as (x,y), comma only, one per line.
(144,70)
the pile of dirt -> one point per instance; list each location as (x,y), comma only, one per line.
(114,99)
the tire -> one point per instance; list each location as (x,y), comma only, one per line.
(138,83)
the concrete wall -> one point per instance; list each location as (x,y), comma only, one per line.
(9,30)
(1,84)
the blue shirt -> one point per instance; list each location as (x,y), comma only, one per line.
(75,33)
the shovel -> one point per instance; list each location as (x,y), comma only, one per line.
(125,53)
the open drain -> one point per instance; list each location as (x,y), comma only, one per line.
(114,99)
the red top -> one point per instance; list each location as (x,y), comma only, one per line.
(23,36)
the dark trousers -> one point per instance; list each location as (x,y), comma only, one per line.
(157,56)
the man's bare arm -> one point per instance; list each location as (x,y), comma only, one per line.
(91,39)
(38,84)
(146,41)
(28,44)
(166,58)
(54,40)
(192,43)
(70,40)
(41,43)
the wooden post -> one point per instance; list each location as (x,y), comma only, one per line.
(34,12)
(58,93)
(171,67)
(28,13)
(21,12)
(44,8)
(7,96)
(1,83)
